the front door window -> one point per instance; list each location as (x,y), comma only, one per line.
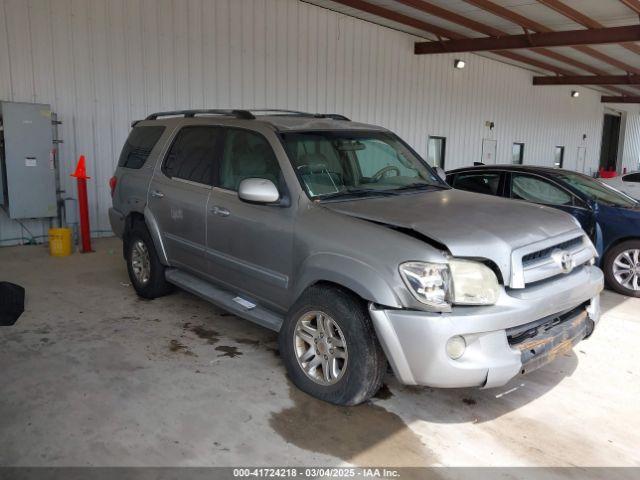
(538,190)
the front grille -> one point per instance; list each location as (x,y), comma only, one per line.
(546,252)
(537,262)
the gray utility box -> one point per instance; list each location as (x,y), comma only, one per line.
(27,169)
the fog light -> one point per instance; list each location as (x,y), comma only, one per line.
(456,347)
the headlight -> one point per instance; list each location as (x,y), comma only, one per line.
(473,283)
(430,283)
(461,282)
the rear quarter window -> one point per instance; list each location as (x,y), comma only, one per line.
(138,146)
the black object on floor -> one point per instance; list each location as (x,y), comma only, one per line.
(11,303)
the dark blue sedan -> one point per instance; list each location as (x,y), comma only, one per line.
(611,218)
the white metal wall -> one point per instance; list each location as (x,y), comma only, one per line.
(631,150)
(103,63)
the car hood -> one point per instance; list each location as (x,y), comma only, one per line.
(467,224)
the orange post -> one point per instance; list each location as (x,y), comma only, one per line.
(83,204)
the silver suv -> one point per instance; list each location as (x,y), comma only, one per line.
(339,236)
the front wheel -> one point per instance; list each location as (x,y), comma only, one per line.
(330,348)
(622,268)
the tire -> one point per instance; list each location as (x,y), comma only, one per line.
(11,303)
(155,284)
(623,254)
(363,366)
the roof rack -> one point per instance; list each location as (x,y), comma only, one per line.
(242,114)
(334,116)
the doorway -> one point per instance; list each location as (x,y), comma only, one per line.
(610,139)
(489,148)
(581,160)
(436,149)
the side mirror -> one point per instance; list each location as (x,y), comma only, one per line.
(258,190)
(441,173)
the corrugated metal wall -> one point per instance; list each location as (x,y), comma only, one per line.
(631,150)
(103,63)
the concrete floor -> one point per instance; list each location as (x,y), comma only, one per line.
(93,375)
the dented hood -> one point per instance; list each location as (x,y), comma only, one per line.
(467,224)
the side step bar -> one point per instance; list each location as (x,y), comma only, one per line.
(224,299)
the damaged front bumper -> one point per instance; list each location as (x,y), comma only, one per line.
(524,330)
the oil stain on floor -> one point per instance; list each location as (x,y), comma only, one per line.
(175,346)
(211,336)
(364,435)
(228,351)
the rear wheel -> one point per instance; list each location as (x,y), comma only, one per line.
(622,268)
(145,270)
(330,348)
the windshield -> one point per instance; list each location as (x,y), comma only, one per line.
(341,163)
(597,190)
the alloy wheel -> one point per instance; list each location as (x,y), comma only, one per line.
(140,262)
(320,348)
(626,269)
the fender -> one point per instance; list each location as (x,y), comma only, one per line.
(154,231)
(349,273)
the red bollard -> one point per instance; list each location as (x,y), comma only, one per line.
(83,204)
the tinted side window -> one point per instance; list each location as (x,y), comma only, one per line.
(247,155)
(192,155)
(138,146)
(538,190)
(487,183)
(632,177)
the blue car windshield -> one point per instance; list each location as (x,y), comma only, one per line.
(334,164)
(597,190)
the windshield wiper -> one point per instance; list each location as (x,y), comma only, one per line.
(419,186)
(357,192)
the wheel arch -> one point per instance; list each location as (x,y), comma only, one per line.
(617,242)
(347,274)
(150,223)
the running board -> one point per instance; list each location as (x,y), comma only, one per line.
(224,299)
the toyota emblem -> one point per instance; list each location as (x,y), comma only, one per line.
(564,259)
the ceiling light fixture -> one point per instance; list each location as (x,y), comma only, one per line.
(457,63)
(575,93)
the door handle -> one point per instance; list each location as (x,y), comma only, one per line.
(222,212)
(157,194)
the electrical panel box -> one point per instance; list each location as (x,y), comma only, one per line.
(27,168)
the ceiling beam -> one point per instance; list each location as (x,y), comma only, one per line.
(549,39)
(524,22)
(445,33)
(400,18)
(571,13)
(453,17)
(442,32)
(582,19)
(632,4)
(431,9)
(510,15)
(588,80)
(625,99)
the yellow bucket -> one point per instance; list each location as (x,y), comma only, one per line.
(59,242)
